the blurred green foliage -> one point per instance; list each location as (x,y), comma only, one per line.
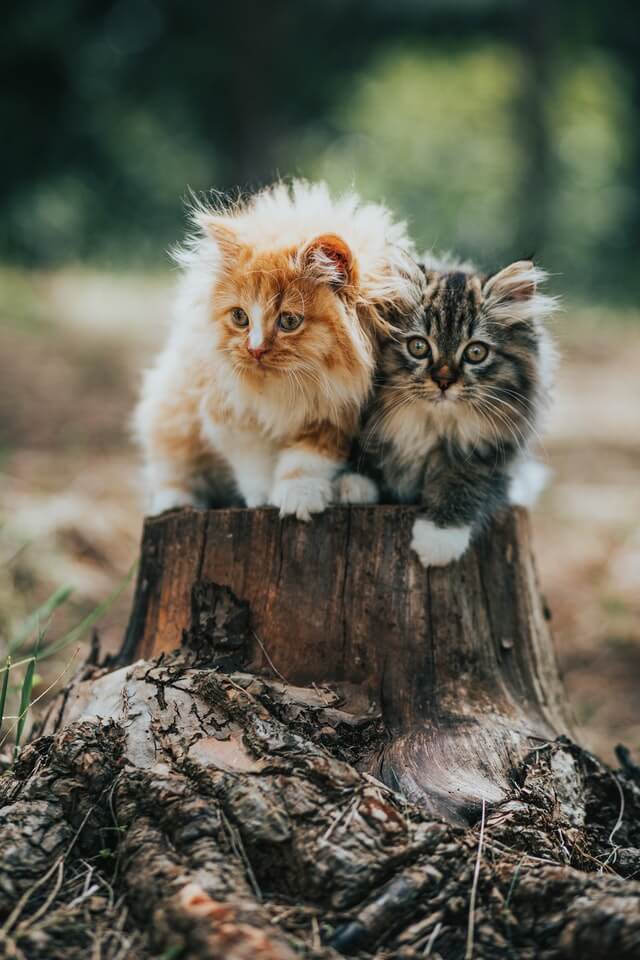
(434,135)
(500,128)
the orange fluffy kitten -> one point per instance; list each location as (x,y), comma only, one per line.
(257,394)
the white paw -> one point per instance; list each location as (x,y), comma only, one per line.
(171,498)
(355,488)
(302,496)
(255,498)
(438,546)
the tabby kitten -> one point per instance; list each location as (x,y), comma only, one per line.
(258,392)
(460,391)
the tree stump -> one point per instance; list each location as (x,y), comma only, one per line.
(187,807)
(458,662)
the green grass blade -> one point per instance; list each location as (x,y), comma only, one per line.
(35,619)
(25,701)
(5,687)
(76,634)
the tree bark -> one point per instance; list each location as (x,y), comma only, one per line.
(186,808)
(457,663)
(175,810)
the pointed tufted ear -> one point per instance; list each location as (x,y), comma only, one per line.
(518,281)
(329,259)
(221,231)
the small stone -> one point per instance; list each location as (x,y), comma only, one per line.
(327,731)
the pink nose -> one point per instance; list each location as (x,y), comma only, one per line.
(444,377)
(257,352)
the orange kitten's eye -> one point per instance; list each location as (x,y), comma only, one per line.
(419,348)
(290,321)
(476,352)
(239,317)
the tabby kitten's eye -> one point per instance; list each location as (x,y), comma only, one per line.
(418,348)
(239,317)
(289,321)
(476,352)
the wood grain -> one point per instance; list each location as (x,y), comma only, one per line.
(458,661)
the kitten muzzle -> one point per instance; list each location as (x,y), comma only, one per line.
(444,377)
(258,352)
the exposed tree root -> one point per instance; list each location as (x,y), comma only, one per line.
(179,811)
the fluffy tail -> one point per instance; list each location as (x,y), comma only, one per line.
(528,480)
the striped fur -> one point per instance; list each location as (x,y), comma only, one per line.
(453,448)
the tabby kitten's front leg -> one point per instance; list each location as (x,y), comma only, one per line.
(305,471)
(457,503)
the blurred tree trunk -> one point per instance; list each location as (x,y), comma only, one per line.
(615,27)
(256,111)
(533,35)
(629,249)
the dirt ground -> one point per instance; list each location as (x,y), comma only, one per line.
(71,347)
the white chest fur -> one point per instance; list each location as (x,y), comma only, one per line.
(414,429)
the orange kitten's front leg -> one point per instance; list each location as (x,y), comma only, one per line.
(176,469)
(250,455)
(305,471)
(181,469)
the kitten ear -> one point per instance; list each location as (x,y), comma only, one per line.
(329,259)
(219,230)
(518,281)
